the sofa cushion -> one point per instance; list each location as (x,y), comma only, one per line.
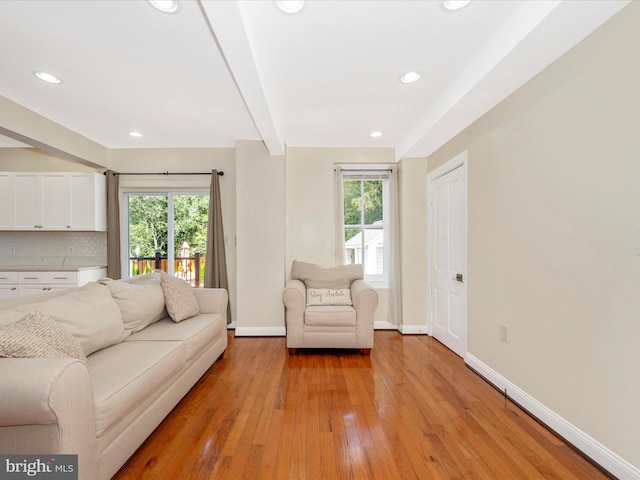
(315,276)
(89,313)
(38,336)
(11,315)
(179,298)
(140,300)
(125,374)
(196,332)
(330,315)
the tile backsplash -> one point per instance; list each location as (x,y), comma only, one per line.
(53,244)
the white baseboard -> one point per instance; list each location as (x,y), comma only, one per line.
(261,331)
(385,326)
(588,446)
(282,331)
(413,329)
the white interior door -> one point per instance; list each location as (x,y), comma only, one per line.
(448,294)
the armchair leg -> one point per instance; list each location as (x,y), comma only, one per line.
(293,351)
(366,352)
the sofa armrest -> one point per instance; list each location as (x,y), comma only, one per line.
(32,390)
(212,300)
(46,406)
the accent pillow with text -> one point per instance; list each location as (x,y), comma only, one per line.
(328,296)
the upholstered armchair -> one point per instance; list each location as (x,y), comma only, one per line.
(329,308)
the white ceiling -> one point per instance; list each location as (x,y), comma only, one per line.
(219,71)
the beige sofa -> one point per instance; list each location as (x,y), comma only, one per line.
(329,308)
(139,364)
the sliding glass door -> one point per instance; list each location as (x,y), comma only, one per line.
(167,231)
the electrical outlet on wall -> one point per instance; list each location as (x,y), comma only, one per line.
(70,251)
(504,333)
(12,250)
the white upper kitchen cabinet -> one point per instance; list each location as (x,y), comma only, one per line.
(26,201)
(53,201)
(87,201)
(40,201)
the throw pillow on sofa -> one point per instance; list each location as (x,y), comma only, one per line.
(38,336)
(140,300)
(89,313)
(179,298)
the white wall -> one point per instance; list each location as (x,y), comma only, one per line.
(413,243)
(260,204)
(554,216)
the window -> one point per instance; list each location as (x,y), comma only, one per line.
(166,230)
(365,228)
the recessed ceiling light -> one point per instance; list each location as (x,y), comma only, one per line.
(136,134)
(455,4)
(410,77)
(290,6)
(165,6)
(47,77)
(375,134)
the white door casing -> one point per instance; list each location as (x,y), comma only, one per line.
(448,254)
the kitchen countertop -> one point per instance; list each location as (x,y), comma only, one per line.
(48,268)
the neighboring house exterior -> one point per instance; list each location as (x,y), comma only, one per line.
(373,255)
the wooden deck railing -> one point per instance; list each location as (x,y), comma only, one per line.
(190,269)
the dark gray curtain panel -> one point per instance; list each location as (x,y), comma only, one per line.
(215,270)
(114,269)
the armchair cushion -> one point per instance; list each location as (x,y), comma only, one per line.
(330,316)
(315,276)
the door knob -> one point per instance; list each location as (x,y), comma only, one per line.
(459,277)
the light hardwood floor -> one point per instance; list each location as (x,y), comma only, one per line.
(411,410)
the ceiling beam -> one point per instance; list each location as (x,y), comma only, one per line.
(49,149)
(34,130)
(516,53)
(525,20)
(233,38)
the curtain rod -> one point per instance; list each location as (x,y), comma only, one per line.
(220,173)
(347,170)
